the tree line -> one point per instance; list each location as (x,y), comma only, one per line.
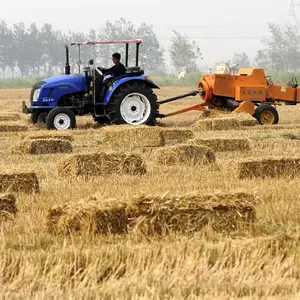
(33,51)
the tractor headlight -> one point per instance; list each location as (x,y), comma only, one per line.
(36,95)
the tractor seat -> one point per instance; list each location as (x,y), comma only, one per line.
(135,70)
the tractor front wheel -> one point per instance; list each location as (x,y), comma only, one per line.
(134,104)
(38,117)
(266,115)
(61,119)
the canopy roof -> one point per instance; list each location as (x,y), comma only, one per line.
(138,41)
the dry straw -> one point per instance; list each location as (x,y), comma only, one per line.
(9,117)
(43,146)
(131,136)
(88,165)
(19,182)
(12,127)
(92,216)
(8,206)
(268,167)
(184,154)
(191,213)
(224,144)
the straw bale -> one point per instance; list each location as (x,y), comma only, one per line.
(131,136)
(87,165)
(191,213)
(43,146)
(48,135)
(8,206)
(19,182)
(9,117)
(224,144)
(225,123)
(267,167)
(244,119)
(184,154)
(91,216)
(12,127)
(174,136)
(204,125)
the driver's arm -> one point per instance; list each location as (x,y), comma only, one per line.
(109,71)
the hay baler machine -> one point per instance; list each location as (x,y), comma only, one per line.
(249,91)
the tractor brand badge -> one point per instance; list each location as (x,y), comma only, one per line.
(283,89)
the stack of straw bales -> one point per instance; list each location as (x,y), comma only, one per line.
(87,165)
(155,214)
(9,117)
(92,216)
(267,167)
(43,146)
(224,144)
(184,154)
(19,182)
(8,206)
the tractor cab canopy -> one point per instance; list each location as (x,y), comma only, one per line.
(126,42)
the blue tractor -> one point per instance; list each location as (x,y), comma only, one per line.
(128,99)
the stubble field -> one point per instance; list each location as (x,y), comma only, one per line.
(259,261)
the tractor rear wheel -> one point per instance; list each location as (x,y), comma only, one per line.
(266,115)
(61,118)
(134,104)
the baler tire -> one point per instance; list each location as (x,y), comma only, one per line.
(266,110)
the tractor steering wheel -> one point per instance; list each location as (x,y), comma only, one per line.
(99,71)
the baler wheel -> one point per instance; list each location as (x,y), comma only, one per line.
(266,115)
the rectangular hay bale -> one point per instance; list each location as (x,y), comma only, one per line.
(131,136)
(49,135)
(9,117)
(225,124)
(19,182)
(13,128)
(191,213)
(89,216)
(8,206)
(174,136)
(184,154)
(268,167)
(99,164)
(43,146)
(224,145)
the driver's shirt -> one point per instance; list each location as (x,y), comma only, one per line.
(117,70)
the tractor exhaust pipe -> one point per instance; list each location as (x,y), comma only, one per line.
(67,66)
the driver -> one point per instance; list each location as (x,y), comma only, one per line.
(118,69)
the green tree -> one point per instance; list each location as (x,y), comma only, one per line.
(241,59)
(6,48)
(183,52)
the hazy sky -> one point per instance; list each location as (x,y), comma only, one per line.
(220,27)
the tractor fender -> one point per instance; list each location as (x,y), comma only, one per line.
(122,81)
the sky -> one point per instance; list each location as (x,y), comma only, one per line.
(219,27)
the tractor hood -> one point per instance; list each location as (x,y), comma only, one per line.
(77,80)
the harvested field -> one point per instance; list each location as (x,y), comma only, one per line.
(9,117)
(131,137)
(268,167)
(190,213)
(19,182)
(184,154)
(11,127)
(8,206)
(99,164)
(43,146)
(224,144)
(89,216)
(232,254)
